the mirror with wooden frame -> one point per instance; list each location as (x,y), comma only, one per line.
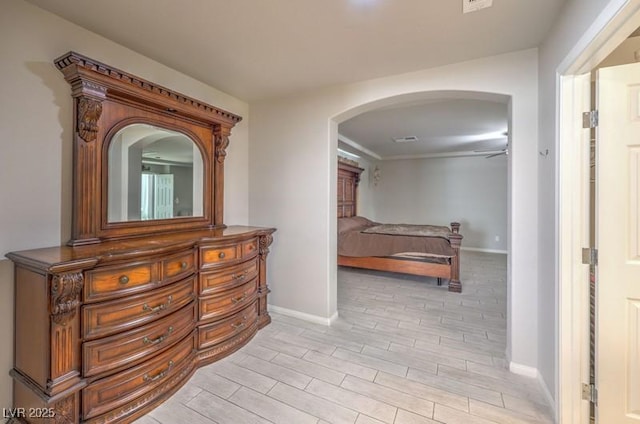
(146,159)
(153,173)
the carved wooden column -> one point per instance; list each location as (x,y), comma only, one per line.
(48,392)
(88,109)
(88,95)
(263,287)
(456,240)
(221,137)
(66,290)
(66,381)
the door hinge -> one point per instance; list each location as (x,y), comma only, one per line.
(590,256)
(590,393)
(590,119)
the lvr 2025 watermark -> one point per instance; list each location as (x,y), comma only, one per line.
(28,412)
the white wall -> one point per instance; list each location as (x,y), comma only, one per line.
(576,17)
(36,127)
(293,141)
(366,188)
(437,191)
(36,133)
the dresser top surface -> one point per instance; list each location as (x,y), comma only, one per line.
(61,258)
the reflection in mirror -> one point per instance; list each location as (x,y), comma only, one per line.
(154,173)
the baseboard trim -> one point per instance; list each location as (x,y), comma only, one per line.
(302,315)
(524,370)
(531,372)
(479,249)
(547,395)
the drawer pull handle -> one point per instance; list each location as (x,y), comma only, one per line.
(240,325)
(158,308)
(160,375)
(240,276)
(123,279)
(159,339)
(221,255)
(239,299)
(183,265)
(251,247)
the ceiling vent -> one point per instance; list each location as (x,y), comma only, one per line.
(469,6)
(407,139)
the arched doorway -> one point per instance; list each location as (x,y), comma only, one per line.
(414,99)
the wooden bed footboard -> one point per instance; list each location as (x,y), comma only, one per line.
(449,269)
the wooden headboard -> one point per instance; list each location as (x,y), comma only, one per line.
(348,179)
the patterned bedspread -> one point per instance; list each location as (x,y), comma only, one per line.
(410,230)
(360,237)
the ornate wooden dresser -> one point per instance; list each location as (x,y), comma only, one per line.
(112,324)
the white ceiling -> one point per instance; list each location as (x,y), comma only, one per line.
(444,127)
(261,49)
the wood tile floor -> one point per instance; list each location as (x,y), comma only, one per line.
(403,351)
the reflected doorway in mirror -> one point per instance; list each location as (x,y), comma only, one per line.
(153,173)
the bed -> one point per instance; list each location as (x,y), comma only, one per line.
(424,250)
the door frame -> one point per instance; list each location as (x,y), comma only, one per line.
(617,20)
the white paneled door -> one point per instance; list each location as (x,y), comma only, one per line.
(163,196)
(618,242)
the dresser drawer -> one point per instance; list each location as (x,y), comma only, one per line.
(218,281)
(221,254)
(114,391)
(229,253)
(179,266)
(228,302)
(111,282)
(125,349)
(217,332)
(250,248)
(106,318)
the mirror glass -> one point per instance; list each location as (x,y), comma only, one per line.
(154,173)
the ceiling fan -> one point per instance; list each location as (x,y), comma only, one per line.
(495,152)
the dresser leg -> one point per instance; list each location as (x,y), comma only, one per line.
(32,407)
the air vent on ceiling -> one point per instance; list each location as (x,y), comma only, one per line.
(474,5)
(407,139)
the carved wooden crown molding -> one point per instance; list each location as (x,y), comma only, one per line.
(67,62)
(348,161)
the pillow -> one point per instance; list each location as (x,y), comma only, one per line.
(353,223)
